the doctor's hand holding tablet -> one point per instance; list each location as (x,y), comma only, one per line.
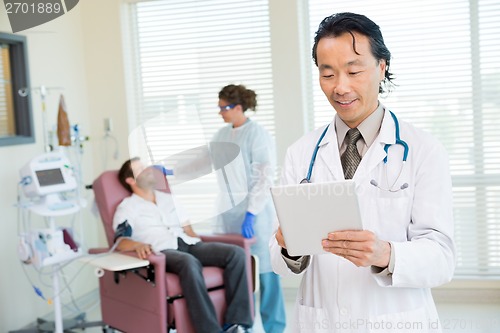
(362,248)
(333,223)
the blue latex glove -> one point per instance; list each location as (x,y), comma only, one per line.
(166,172)
(247,226)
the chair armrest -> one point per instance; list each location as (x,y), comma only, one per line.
(133,300)
(245,243)
(235,239)
(98,250)
(157,260)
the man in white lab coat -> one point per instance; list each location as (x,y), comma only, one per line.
(377,279)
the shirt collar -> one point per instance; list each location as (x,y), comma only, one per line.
(369,128)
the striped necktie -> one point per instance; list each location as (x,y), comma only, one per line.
(350,158)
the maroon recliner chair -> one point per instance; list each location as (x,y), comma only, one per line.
(148,299)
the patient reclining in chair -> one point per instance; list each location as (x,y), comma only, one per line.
(151,221)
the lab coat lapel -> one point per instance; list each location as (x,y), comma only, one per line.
(375,155)
(328,155)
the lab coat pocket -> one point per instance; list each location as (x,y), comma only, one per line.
(312,320)
(414,321)
(393,217)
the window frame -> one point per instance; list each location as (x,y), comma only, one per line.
(18,52)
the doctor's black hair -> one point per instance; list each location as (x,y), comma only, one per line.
(340,23)
(239,95)
(126,172)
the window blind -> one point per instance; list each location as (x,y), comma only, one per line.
(446,63)
(7,126)
(179,55)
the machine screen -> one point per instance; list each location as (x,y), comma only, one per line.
(50,177)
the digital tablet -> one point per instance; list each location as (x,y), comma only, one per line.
(308,212)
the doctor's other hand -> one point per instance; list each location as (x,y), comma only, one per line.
(280,239)
(361,247)
(247,226)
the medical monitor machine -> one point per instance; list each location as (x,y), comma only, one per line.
(49,188)
(44,179)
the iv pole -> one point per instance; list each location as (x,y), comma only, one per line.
(47,147)
(58,319)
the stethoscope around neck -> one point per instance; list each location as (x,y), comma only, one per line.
(386,149)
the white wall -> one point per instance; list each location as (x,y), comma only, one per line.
(56,59)
(104,68)
(287,56)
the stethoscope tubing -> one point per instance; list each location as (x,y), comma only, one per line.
(313,158)
(386,149)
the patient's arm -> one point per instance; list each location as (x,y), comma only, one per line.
(189,231)
(143,250)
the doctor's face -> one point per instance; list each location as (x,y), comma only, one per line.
(350,77)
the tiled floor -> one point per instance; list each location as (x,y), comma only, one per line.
(458,317)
